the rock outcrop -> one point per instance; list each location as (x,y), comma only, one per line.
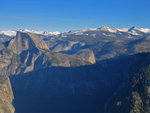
(34,54)
(87,55)
(25,53)
(26,41)
(6,95)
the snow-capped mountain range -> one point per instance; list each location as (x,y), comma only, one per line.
(133,31)
(13,32)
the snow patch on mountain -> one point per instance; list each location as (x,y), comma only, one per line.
(145,30)
(123,29)
(113,30)
(132,31)
(41,32)
(13,32)
(8,32)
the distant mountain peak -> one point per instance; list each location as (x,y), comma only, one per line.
(40,32)
(104,27)
(133,30)
(8,32)
(25,30)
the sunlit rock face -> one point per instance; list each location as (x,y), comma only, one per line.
(34,54)
(25,53)
(6,96)
(87,55)
(26,41)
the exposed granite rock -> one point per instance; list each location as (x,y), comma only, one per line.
(87,55)
(26,41)
(25,53)
(6,95)
(32,53)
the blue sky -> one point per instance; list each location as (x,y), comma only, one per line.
(65,15)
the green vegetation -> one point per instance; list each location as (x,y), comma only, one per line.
(134,94)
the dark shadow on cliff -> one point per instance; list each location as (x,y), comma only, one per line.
(84,89)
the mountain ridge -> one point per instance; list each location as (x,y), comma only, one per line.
(103,28)
(78,64)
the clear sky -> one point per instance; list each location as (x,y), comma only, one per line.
(65,15)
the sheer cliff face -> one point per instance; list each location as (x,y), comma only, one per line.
(26,41)
(28,52)
(6,95)
(34,54)
(25,53)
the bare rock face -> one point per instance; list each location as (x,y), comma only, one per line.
(34,54)
(25,53)
(26,41)
(87,55)
(6,95)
